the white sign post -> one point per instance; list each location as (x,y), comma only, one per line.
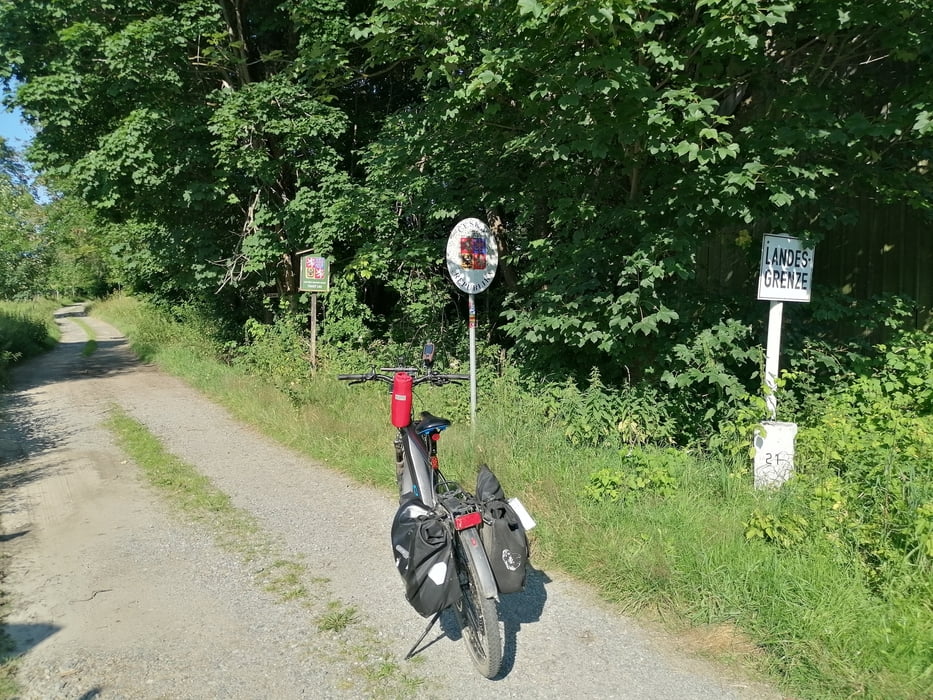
(472,259)
(786,274)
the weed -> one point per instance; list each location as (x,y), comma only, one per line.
(641,472)
(338,619)
(286,580)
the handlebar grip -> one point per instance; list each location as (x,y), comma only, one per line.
(352,376)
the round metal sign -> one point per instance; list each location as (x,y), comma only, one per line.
(472,256)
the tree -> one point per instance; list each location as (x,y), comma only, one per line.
(81,263)
(192,126)
(23,254)
(611,141)
(605,142)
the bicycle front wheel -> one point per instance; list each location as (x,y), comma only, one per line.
(479,620)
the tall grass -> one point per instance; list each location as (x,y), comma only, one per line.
(27,329)
(802,614)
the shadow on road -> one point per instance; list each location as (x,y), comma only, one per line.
(12,535)
(25,637)
(67,362)
(71,311)
(515,610)
(26,432)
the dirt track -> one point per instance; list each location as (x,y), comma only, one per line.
(115,595)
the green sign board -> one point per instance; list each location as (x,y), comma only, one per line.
(315,274)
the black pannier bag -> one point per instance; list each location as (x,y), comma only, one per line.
(503,535)
(488,487)
(423,548)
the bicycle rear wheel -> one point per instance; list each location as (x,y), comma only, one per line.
(479,620)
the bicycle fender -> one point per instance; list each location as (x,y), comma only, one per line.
(473,548)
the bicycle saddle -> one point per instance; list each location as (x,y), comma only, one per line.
(429,423)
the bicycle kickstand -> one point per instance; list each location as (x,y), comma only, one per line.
(411,652)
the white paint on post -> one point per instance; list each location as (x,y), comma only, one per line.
(774,453)
(773,355)
(786,274)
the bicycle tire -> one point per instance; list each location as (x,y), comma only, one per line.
(479,620)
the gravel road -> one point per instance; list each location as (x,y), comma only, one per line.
(115,594)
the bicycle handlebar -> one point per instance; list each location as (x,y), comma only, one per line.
(435,378)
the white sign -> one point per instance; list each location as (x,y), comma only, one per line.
(774,453)
(472,256)
(786,272)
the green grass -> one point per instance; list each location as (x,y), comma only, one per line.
(90,346)
(197,498)
(338,618)
(27,329)
(9,688)
(801,615)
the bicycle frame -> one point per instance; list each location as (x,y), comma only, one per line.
(417,472)
(413,467)
(417,476)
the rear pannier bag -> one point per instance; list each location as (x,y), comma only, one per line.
(502,533)
(423,547)
(488,487)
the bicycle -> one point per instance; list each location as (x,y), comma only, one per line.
(419,476)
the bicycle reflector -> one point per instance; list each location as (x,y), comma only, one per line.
(462,522)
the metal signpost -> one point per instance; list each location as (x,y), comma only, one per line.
(314,277)
(472,259)
(786,274)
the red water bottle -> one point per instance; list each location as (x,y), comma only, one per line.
(401,400)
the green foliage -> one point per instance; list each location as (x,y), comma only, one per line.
(279,352)
(645,127)
(642,472)
(23,252)
(864,456)
(27,329)
(715,372)
(605,145)
(786,530)
(598,415)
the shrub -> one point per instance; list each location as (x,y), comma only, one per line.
(865,463)
(598,415)
(26,329)
(642,471)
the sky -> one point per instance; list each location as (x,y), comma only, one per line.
(13,130)
(18,135)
